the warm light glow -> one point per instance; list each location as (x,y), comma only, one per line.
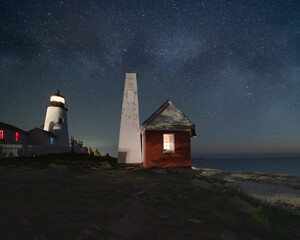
(169,145)
(17,137)
(57,99)
(1,134)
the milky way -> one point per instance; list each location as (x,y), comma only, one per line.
(231,66)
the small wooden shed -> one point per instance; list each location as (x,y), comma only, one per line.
(166,138)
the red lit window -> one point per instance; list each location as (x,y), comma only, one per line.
(1,134)
(169,143)
(17,137)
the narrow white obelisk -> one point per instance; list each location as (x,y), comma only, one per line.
(129,150)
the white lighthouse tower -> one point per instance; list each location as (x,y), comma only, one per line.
(56,119)
(129,140)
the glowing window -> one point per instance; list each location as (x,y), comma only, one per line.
(51,140)
(1,134)
(57,99)
(169,143)
(17,137)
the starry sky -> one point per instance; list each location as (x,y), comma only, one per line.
(233,67)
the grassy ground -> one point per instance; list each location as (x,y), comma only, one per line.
(60,197)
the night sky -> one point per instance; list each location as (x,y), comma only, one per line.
(233,67)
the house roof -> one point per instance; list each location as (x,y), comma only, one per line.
(169,117)
(11,127)
(50,134)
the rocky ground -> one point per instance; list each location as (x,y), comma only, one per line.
(76,197)
(277,189)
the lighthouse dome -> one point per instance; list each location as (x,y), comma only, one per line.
(57,100)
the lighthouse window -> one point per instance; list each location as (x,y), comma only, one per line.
(60,121)
(57,99)
(17,137)
(51,140)
(169,143)
(1,134)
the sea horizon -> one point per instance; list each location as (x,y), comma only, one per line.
(289,165)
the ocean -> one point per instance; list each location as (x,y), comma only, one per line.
(290,166)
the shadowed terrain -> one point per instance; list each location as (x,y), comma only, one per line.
(71,196)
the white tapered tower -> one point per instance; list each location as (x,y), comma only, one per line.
(56,119)
(129,139)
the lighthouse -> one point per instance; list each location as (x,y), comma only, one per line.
(129,150)
(56,119)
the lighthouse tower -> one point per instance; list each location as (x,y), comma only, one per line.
(56,119)
(129,139)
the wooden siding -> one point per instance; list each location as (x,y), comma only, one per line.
(153,149)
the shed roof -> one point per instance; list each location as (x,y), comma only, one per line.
(50,134)
(169,117)
(11,127)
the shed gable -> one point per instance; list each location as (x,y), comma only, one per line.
(168,116)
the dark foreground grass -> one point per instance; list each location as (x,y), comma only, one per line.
(54,161)
(59,197)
